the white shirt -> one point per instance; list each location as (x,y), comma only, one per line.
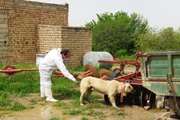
(52,61)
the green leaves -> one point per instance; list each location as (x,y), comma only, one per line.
(115,32)
(165,39)
(122,34)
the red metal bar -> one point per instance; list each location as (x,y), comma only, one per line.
(58,74)
(133,78)
(11,70)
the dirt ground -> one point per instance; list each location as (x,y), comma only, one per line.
(38,109)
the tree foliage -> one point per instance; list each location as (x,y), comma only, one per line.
(122,34)
(117,33)
(163,40)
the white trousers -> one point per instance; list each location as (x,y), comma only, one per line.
(45,83)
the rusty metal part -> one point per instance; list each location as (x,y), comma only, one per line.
(11,70)
(58,74)
(133,78)
(85,74)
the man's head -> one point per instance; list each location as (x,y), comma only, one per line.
(65,53)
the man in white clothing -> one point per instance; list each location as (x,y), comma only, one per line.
(52,61)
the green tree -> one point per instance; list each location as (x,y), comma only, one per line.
(163,40)
(117,33)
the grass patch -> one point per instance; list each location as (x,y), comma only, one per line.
(24,83)
(19,85)
(73,111)
(90,110)
(95,110)
(84,118)
(17,106)
(65,88)
(77,69)
(54,118)
(7,104)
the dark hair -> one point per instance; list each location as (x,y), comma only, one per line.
(65,51)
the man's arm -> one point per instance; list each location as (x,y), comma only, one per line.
(62,68)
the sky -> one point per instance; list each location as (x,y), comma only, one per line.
(158,13)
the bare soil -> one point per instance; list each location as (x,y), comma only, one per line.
(38,109)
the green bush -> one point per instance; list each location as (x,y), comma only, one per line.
(119,31)
(163,40)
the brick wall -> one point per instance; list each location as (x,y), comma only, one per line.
(49,36)
(4,46)
(77,39)
(35,28)
(23,19)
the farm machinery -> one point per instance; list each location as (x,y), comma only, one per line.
(156,79)
(141,96)
(119,73)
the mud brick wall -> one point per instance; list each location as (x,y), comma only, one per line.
(4,46)
(77,39)
(29,28)
(23,18)
(49,37)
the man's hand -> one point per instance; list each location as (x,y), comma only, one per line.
(77,82)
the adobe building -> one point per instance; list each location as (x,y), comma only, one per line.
(28,28)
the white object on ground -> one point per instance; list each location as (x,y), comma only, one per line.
(92,57)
